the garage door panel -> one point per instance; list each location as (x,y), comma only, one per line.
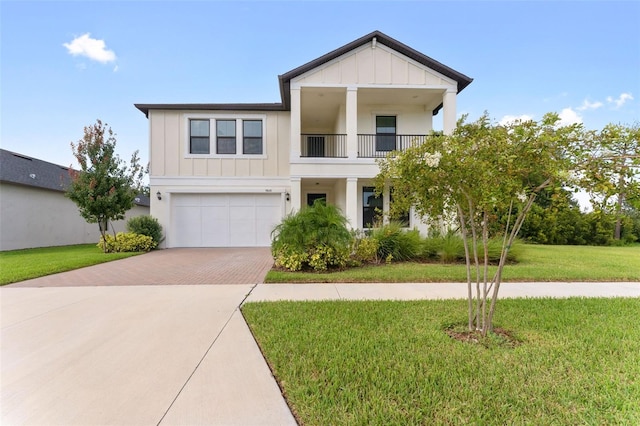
(268,201)
(221,200)
(224,220)
(187,221)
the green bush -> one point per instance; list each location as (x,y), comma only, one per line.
(396,243)
(316,237)
(365,248)
(129,242)
(146,225)
(450,249)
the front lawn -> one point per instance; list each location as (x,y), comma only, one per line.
(20,265)
(391,363)
(537,263)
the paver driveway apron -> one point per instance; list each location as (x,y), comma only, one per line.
(172,266)
(134,354)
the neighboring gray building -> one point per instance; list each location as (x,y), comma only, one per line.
(34,211)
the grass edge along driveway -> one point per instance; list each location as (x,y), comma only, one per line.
(20,265)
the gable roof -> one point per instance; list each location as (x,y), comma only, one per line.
(285,79)
(28,171)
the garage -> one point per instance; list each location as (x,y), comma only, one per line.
(224,220)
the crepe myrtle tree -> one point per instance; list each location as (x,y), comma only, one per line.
(479,169)
(105,187)
(611,169)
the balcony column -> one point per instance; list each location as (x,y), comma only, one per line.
(295,123)
(449,111)
(296,195)
(351,210)
(352,122)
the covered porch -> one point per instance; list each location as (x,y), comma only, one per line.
(354,196)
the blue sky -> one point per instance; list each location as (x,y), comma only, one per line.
(577,58)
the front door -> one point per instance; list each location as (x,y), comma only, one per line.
(311,198)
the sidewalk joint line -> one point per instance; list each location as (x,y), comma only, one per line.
(203,357)
(337,291)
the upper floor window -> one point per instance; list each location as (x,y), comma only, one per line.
(252,137)
(199,136)
(385,133)
(226,136)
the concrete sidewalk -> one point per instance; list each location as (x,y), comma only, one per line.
(416,291)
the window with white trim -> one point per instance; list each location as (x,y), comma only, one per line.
(198,136)
(224,135)
(252,137)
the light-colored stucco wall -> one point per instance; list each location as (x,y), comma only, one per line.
(169,146)
(33,217)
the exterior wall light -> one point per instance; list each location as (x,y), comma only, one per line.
(159,195)
(287,196)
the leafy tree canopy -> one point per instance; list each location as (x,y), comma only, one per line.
(105,187)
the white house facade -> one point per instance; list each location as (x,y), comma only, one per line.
(223,175)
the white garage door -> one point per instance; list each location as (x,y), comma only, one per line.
(224,220)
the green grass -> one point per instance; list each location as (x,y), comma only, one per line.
(537,263)
(391,363)
(20,265)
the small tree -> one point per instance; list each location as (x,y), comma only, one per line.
(611,169)
(479,169)
(104,188)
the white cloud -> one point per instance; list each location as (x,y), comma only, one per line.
(569,116)
(507,119)
(586,104)
(622,99)
(91,48)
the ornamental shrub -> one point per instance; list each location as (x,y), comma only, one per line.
(129,242)
(146,225)
(316,237)
(364,249)
(396,243)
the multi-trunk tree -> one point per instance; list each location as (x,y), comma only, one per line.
(480,169)
(105,187)
(610,170)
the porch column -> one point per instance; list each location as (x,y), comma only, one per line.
(295,123)
(351,203)
(296,194)
(352,122)
(449,111)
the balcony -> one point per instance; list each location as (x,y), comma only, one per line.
(379,146)
(369,145)
(328,146)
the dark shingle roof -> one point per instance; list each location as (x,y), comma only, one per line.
(285,79)
(24,170)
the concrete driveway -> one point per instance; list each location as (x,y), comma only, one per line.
(90,347)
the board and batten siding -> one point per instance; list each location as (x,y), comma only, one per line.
(379,65)
(169,148)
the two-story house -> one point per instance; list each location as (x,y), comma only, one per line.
(224,175)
